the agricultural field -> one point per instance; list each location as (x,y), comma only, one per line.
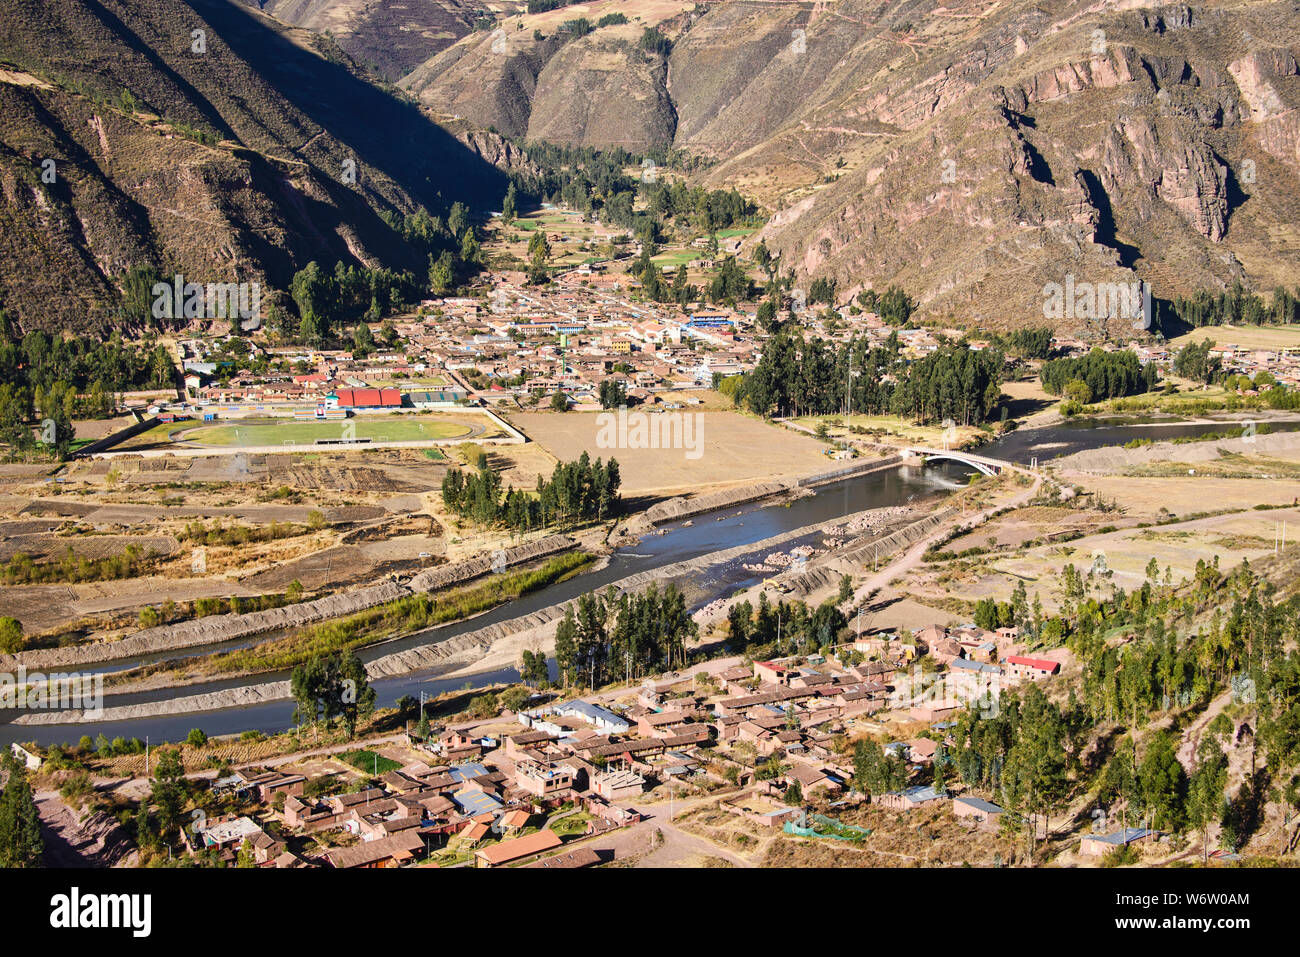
(730,448)
(1244,337)
(269,432)
(1116,558)
(567,232)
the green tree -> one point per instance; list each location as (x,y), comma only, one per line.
(363,340)
(356,697)
(21,844)
(168,792)
(1163,782)
(11,635)
(1206,791)
(509,205)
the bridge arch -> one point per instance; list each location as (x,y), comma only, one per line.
(984,466)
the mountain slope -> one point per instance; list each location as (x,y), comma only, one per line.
(971,152)
(227,165)
(391,38)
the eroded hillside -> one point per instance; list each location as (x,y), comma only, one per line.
(123,145)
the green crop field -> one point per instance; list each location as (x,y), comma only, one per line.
(387,428)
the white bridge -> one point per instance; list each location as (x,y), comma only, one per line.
(979,462)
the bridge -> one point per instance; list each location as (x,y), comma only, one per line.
(981,463)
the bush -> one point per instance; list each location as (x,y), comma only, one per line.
(11,635)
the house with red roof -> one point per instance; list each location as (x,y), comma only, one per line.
(367,398)
(1018,666)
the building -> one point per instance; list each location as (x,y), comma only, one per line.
(543,780)
(1035,669)
(909,798)
(616,785)
(386,852)
(977,809)
(365,399)
(580,857)
(1096,845)
(593,714)
(516,849)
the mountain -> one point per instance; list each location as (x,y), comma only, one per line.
(242,161)
(389,38)
(971,152)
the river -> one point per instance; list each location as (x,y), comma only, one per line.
(705,534)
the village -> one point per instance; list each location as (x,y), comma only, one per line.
(515,347)
(568,782)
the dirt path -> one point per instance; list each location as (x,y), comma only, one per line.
(637,842)
(97,841)
(1192,736)
(913,557)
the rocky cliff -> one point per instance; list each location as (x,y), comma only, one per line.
(970,151)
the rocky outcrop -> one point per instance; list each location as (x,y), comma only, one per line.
(1172,166)
(973,161)
(603,90)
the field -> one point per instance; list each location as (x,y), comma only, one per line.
(931,435)
(731,448)
(567,251)
(1245,337)
(386,428)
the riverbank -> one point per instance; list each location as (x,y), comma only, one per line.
(495,646)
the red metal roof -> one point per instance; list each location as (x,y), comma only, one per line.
(1041,664)
(369,398)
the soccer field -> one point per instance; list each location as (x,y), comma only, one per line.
(390,428)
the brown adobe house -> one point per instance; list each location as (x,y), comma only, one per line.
(386,852)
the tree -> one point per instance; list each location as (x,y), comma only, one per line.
(613,393)
(560,402)
(168,792)
(1163,781)
(21,844)
(793,794)
(144,835)
(442,273)
(509,205)
(539,249)
(1076,390)
(532,668)
(405,706)
(11,635)
(1206,789)
(312,291)
(363,340)
(356,697)
(196,738)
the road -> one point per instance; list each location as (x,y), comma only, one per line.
(677,847)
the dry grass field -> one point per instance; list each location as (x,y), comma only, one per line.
(1244,337)
(1145,496)
(733,449)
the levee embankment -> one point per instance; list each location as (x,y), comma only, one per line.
(215,629)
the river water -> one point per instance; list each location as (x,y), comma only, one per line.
(707,533)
